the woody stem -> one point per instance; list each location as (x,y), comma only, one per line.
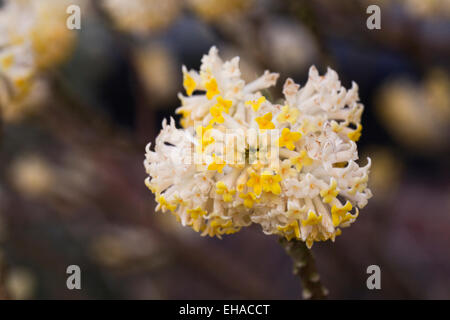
(305,268)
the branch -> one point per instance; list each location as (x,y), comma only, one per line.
(305,268)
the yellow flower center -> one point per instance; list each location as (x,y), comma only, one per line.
(196,213)
(265,122)
(291,230)
(216,164)
(216,113)
(288,115)
(249,199)
(256,103)
(270,182)
(288,138)
(164,205)
(255,182)
(337,214)
(301,160)
(354,135)
(227,194)
(211,88)
(312,219)
(329,194)
(224,104)
(189,83)
(204,136)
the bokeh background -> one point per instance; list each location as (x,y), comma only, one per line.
(72,149)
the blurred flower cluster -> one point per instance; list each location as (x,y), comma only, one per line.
(417,115)
(33,38)
(153,15)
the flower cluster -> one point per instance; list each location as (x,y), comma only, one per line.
(155,15)
(33,37)
(417,114)
(142,15)
(289,167)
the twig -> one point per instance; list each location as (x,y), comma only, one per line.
(305,268)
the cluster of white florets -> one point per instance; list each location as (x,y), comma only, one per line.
(33,37)
(225,170)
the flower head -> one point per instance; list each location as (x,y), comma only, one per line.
(242,159)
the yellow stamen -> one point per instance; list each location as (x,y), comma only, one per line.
(329,194)
(291,230)
(216,164)
(301,160)
(189,83)
(265,122)
(227,194)
(164,205)
(255,182)
(224,104)
(211,88)
(270,182)
(288,138)
(216,113)
(348,216)
(256,103)
(185,114)
(204,137)
(249,199)
(288,115)
(355,134)
(196,213)
(312,219)
(338,213)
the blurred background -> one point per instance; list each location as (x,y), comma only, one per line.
(72,146)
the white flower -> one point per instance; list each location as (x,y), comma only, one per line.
(304,183)
(16,55)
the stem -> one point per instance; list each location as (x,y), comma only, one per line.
(305,268)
